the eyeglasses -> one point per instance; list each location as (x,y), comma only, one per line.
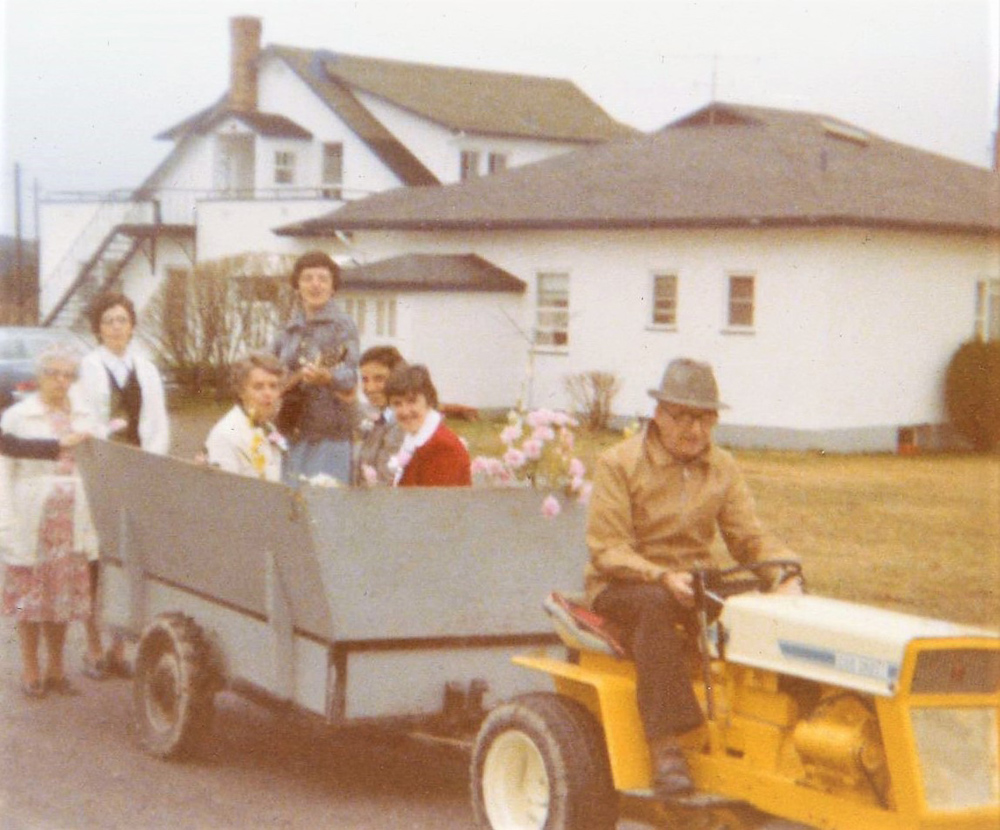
(59,373)
(122,319)
(687,418)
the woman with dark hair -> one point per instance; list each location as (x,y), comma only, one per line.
(46,535)
(319,349)
(124,390)
(380,437)
(118,382)
(431,455)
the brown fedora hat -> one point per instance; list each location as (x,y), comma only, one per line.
(689,383)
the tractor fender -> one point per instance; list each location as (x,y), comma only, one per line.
(606,686)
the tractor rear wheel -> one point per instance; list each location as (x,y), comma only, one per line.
(540,763)
(174,687)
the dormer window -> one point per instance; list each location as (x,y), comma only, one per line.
(497,162)
(468,165)
(284,167)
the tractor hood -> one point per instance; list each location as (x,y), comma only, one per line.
(828,640)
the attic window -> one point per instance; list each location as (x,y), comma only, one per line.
(845,132)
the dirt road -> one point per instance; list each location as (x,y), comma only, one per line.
(70,764)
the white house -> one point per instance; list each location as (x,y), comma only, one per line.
(828,274)
(297,132)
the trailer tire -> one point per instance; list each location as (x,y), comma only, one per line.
(540,763)
(174,687)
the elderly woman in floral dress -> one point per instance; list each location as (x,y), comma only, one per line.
(46,535)
(245,440)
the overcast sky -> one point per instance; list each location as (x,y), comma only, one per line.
(86,84)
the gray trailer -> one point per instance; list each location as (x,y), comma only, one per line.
(394,606)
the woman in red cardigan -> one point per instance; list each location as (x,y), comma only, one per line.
(431,455)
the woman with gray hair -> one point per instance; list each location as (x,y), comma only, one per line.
(245,440)
(46,535)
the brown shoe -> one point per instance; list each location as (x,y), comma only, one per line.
(671,776)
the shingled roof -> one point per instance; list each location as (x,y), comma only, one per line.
(724,165)
(461,100)
(263,123)
(477,101)
(431,272)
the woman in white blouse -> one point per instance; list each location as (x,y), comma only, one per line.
(124,390)
(245,441)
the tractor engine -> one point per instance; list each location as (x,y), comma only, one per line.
(840,748)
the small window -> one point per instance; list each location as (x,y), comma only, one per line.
(385,317)
(497,162)
(284,167)
(333,170)
(469,165)
(987,310)
(664,300)
(741,302)
(552,328)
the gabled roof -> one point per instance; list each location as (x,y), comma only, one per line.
(724,165)
(477,101)
(267,124)
(431,272)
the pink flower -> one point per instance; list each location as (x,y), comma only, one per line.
(116,425)
(551,507)
(399,460)
(576,468)
(543,433)
(584,494)
(369,475)
(532,448)
(510,433)
(480,464)
(514,458)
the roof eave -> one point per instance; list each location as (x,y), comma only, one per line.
(317,229)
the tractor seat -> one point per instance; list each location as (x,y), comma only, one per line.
(580,628)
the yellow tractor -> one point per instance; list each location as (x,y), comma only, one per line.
(819,714)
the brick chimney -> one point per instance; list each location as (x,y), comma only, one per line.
(245,36)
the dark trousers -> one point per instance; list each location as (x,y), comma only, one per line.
(648,616)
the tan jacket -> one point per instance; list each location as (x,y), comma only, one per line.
(651,513)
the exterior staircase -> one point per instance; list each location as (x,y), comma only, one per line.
(94,261)
(97,274)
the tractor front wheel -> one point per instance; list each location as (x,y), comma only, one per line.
(540,763)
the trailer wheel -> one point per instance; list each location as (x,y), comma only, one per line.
(173,690)
(540,763)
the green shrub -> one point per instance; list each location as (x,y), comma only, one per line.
(972,393)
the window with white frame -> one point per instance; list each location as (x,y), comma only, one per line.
(468,165)
(284,167)
(497,162)
(987,310)
(741,301)
(333,169)
(664,300)
(552,321)
(372,315)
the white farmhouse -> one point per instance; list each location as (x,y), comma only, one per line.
(298,132)
(827,274)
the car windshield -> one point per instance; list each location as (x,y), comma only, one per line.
(25,346)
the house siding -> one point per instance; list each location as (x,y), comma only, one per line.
(853,328)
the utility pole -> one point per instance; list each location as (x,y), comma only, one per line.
(19,292)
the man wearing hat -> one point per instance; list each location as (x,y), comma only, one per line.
(658,499)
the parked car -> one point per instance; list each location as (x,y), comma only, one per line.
(19,346)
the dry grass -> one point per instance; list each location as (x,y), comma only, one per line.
(919,534)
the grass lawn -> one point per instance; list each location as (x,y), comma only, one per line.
(919,534)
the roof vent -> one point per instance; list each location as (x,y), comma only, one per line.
(845,132)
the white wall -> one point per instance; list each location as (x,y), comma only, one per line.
(284,92)
(853,328)
(474,355)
